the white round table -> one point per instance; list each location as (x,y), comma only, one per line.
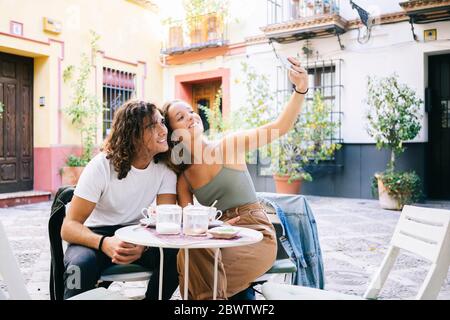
(145,236)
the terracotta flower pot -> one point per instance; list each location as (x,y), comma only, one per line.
(282,185)
(387,201)
(71,175)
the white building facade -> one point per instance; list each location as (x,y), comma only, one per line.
(340,59)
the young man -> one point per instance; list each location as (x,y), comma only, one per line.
(114,187)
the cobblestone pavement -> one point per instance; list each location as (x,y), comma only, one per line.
(354,235)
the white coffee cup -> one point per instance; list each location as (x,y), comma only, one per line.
(150,213)
(214,214)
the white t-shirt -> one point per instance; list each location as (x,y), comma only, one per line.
(119,202)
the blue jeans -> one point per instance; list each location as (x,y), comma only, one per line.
(91,264)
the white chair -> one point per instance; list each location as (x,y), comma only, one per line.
(422,231)
(13,279)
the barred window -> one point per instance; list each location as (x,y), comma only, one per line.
(118,87)
(324,76)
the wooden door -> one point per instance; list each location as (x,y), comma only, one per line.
(439,128)
(16,125)
(205,94)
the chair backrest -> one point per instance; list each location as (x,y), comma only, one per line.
(423,231)
(10,272)
(426,233)
(57,215)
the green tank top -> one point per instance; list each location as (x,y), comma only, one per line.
(230,187)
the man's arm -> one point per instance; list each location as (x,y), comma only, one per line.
(74,231)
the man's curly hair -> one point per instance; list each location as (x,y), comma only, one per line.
(126,136)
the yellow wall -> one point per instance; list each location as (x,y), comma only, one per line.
(128,32)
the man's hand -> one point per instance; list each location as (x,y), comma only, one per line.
(121,252)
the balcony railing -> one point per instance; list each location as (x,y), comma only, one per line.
(293,20)
(194,34)
(280,11)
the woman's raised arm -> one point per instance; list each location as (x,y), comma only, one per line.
(249,140)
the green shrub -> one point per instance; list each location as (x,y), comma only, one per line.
(74,161)
(393,116)
(404,186)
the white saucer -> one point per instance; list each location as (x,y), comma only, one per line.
(215,223)
(227,232)
(151,223)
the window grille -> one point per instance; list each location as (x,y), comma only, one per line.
(118,87)
(324,76)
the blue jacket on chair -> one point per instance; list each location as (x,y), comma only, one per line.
(300,239)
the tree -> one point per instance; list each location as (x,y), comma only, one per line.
(393,116)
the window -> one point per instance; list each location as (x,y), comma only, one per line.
(118,87)
(324,76)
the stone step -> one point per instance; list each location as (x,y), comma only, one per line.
(24,197)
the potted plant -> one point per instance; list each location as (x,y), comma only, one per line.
(204,18)
(393,118)
(83,111)
(308,143)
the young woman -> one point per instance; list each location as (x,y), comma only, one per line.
(217,171)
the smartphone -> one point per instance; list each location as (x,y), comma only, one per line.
(286,63)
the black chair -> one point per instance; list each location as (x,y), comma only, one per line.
(131,272)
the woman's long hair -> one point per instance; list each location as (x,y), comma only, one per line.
(177,168)
(126,136)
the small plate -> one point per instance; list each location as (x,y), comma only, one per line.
(215,223)
(148,222)
(227,232)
